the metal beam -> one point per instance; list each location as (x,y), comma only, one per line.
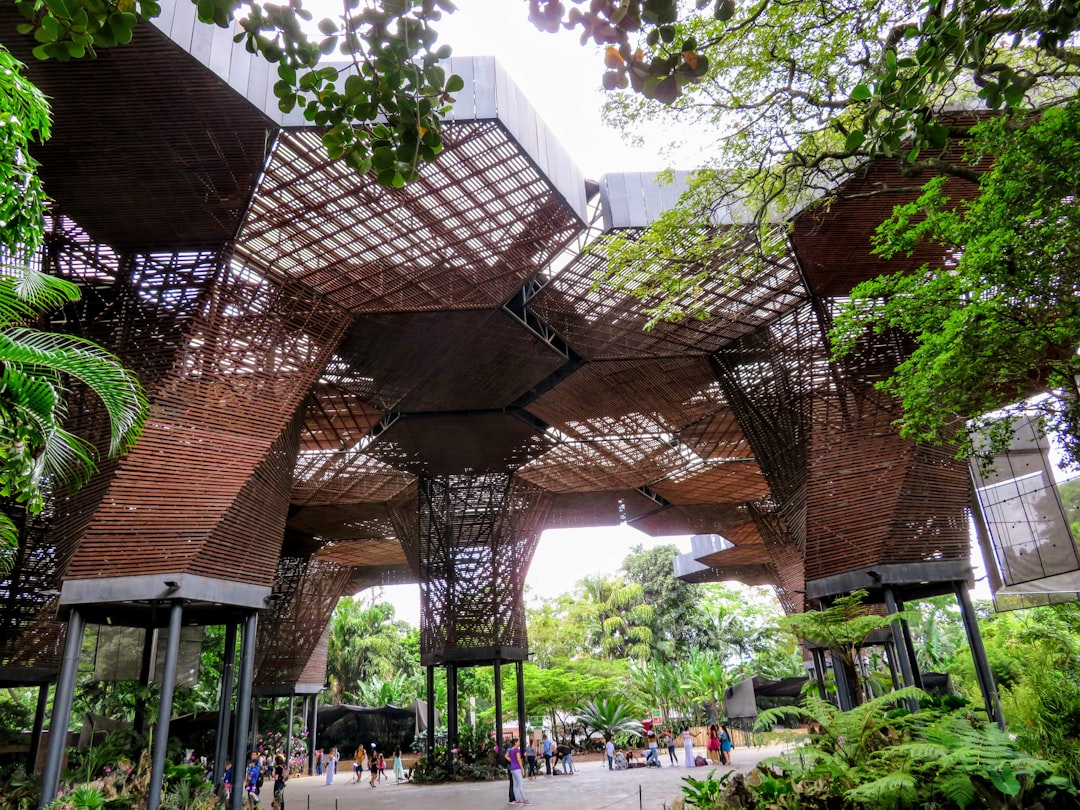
(168,686)
(65,694)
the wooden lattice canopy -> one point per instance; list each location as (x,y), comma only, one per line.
(352,384)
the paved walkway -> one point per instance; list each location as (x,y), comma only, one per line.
(593,787)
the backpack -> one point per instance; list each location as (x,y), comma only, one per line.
(259,779)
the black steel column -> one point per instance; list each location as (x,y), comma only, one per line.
(243,706)
(161,728)
(978,655)
(288,737)
(39,726)
(498,708)
(451,713)
(519,672)
(139,721)
(221,741)
(890,659)
(819,670)
(430,710)
(845,692)
(910,645)
(61,715)
(899,642)
(313,723)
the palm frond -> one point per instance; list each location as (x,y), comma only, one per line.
(117,388)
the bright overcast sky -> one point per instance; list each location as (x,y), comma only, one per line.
(559,76)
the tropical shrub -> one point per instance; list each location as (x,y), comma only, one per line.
(880,756)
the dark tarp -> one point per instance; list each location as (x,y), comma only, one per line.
(350,727)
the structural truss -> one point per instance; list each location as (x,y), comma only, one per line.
(352,385)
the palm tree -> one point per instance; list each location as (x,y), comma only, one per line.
(365,645)
(610,716)
(621,618)
(36,368)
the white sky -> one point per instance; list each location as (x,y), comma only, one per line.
(559,76)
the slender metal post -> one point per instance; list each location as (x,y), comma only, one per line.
(161,728)
(288,736)
(845,693)
(314,728)
(819,671)
(243,705)
(978,655)
(430,710)
(902,657)
(221,741)
(890,658)
(61,715)
(451,713)
(254,708)
(139,722)
(39,726)
(910,645)
(519,673)
(498,706)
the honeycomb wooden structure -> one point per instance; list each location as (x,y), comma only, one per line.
(352,385)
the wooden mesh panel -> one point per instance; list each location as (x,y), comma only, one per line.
(444,361)
(305,592)
(605,464)
(602,323)
(728,482)
(346,476)
(248,353)
(478,223)
(669,393)
(476,536)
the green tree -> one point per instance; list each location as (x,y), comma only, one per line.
(365,645)
(1002,321)
(392,82)
(620,617)
(673,601)
(842,628)
(611,717)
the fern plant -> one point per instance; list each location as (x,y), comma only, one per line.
(879,756)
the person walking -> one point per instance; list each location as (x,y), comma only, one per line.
(514,755)
(373,765)
(712,747)
(670,742)
(330,765)
(688,748)
(253,781)
(382,766)
(609,749)
(547,753)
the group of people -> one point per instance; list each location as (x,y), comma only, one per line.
(259,769)
(717,749)
(561,753)
(524,763)
(364,761)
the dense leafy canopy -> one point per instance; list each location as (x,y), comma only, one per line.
(1001,322)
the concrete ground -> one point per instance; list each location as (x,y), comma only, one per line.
(593,787)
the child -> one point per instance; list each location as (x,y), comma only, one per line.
(382,766)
